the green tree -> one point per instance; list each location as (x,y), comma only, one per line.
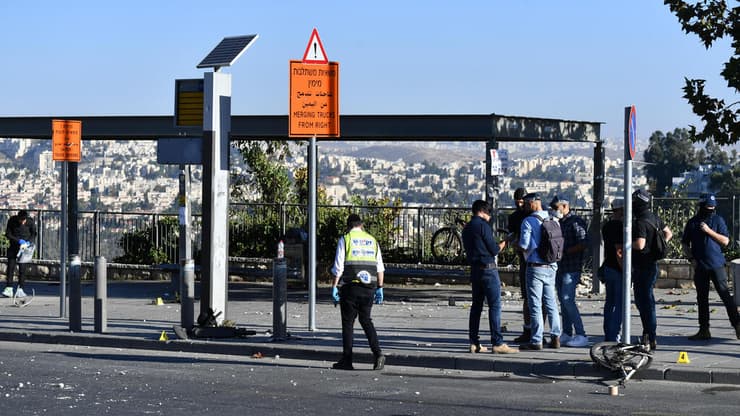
(712,20)
(266,172)
(667,156)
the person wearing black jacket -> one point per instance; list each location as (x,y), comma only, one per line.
(21,231)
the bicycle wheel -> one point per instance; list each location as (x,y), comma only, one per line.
(446,245)
(605,353)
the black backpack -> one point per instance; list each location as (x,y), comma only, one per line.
(658,247)
(552,241)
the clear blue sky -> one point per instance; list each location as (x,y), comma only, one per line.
(578,60)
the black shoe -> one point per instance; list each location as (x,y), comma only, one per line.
(342,365)
(737,330)
(524,338)
(379,362)
(702,335)
(532,347)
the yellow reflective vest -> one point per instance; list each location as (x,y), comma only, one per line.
(360,259)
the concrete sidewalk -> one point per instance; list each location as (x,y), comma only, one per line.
(416,326)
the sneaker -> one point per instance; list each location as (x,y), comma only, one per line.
(554,342)
(524,338)
(504,349)
(531,347)
(342,365)
(8,292)
(577,341)
(565,339)
(20,293)
(702,335)
(476,348)
(379,362)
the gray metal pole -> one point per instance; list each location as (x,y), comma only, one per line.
(187,294)
(279,299)
(63,248)
(598,212)
(312,167)
(627,248)
(101,295)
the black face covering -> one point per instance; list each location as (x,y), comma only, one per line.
(705,212)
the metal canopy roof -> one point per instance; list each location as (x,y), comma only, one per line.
(465,127)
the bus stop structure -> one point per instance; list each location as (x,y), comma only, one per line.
(489,128)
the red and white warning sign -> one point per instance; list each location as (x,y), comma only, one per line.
(315,53)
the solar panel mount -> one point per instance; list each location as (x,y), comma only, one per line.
(227,51)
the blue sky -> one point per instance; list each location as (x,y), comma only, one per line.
(577,60)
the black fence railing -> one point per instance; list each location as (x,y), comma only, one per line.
(406,236)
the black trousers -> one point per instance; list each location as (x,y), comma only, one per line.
(717,276)
(12,261)
(357,301)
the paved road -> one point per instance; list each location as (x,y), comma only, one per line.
(417,327)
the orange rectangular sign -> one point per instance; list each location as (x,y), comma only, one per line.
(314,100)
(66,140)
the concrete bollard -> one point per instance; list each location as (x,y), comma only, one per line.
(187,294)
(75,293)
(101,295)
(279,299)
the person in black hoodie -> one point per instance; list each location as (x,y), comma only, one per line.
(21,231)
(645,268)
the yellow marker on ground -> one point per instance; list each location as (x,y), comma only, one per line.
(683,358)
(164,336)
(159,302)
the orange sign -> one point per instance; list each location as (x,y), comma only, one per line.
(66,140)
(314,99)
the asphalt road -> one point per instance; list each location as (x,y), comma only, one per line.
(37,379)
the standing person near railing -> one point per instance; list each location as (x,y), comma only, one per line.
(610,273)
(358,281)
(481,251)
(514,226)
(703,238)
(21,231)
(646,225)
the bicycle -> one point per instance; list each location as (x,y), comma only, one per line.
(625,358)
(447,244)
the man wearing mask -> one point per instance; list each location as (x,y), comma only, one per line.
(645,226)
(569,272)
(514,227)
(703,238)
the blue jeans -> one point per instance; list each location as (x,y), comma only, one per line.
(643,283)
(541,291)
(566,283)
(613,308)
(486,285)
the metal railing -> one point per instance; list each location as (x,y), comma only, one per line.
(256,228)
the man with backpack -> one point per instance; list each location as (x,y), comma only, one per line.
(703,238)
(646,227)
(542,243)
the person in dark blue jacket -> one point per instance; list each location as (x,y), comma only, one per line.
(703,238)
(481,251)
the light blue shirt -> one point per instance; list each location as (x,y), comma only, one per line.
(530,236)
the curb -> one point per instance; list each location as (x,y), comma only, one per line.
(553,368)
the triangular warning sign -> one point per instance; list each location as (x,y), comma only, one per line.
(315,53)
(683,358)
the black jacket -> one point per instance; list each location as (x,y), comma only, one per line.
(16,231)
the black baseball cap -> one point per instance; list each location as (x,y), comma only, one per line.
(533,196)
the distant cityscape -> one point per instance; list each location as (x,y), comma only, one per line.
(125,176)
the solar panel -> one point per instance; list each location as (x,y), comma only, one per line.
(227,51)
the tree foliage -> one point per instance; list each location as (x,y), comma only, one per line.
(712,20)
(266,175)
(667,156)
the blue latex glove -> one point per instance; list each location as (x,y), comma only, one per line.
(335,295)
(379,295)
(22,242)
